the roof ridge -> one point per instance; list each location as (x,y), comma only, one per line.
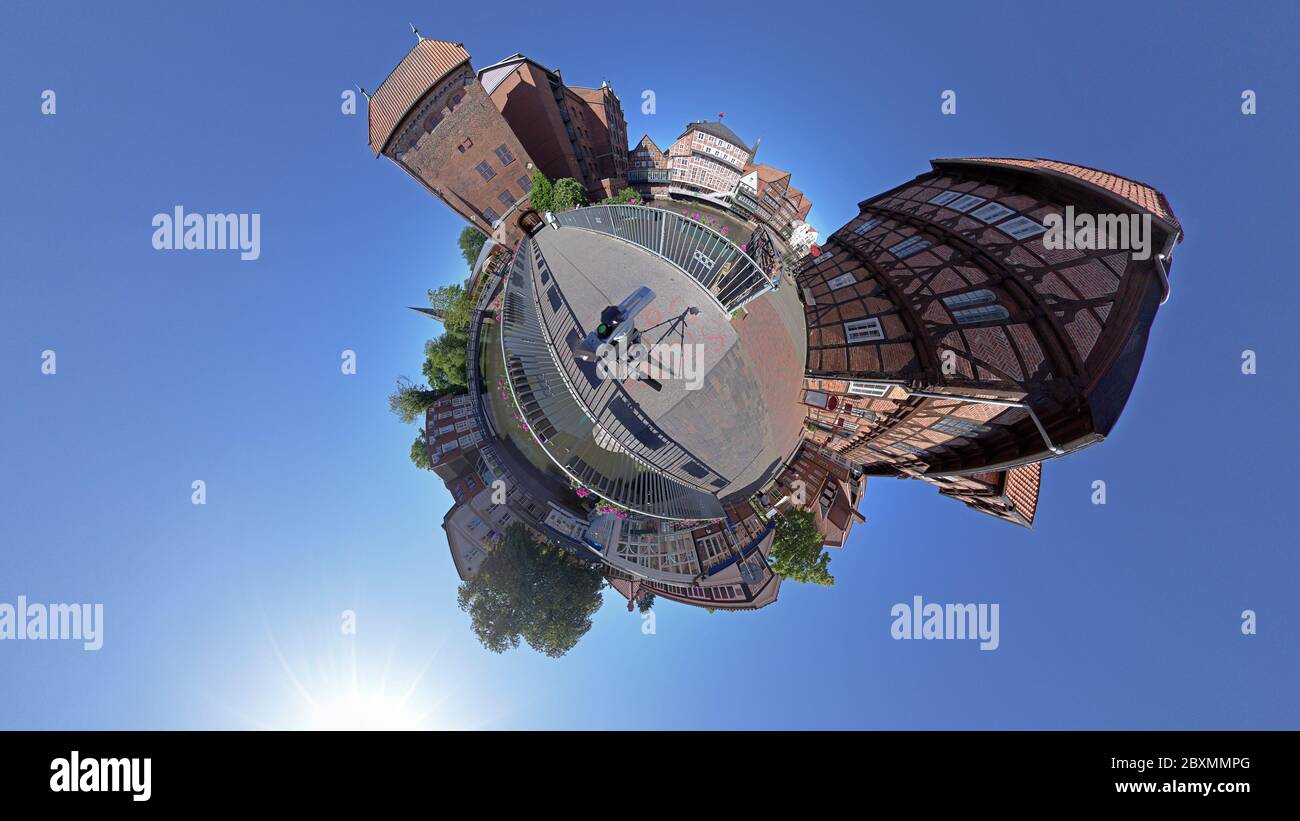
(1159,195)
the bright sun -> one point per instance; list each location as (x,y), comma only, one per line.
(333,686)
(361,711)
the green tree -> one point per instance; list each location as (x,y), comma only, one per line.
(627,196)
(420,452)
(444,363)
(797,549)
(410,401)
(471,243)
(533,591)
(569,193)
(452,302)
(542,196)
(647,602)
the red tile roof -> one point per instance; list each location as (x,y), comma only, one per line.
(420,69)
(1022,488)
(767,173)
(1138,193)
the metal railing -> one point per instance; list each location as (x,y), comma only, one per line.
(717,264)
(589,444)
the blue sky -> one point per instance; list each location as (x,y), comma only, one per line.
(176,366)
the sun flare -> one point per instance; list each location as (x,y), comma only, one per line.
(364,711)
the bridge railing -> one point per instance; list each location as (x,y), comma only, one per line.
(717,264)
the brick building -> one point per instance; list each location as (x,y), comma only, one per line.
(765,193)
(648,169)
(945,338)
(712,564)
(603,117)
(568,131)
(708,158)
(465,459)
(826,484)
(452,434)
(802,238)
(1009,495)
(433,119)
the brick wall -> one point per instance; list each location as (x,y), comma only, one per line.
(465,132)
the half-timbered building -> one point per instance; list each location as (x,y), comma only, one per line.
(945,336)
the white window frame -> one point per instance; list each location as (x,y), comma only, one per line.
(867,329)
(1022,227)
(842,281)
(966,202)
(995,211)
(914,244)
(944,197)
(876,389)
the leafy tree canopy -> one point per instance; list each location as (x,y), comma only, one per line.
(533,591)
(453,303)
(420,452)
(444,363)
(410,401)
(797,549)
(542,197)
(569,193)
(471,243)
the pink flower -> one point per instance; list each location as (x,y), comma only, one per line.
(583,492)
(620,515)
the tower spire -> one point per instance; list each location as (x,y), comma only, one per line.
(364,93)
(419,38)
(429,312)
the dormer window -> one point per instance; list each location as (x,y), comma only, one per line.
(984,313)
(970,298)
